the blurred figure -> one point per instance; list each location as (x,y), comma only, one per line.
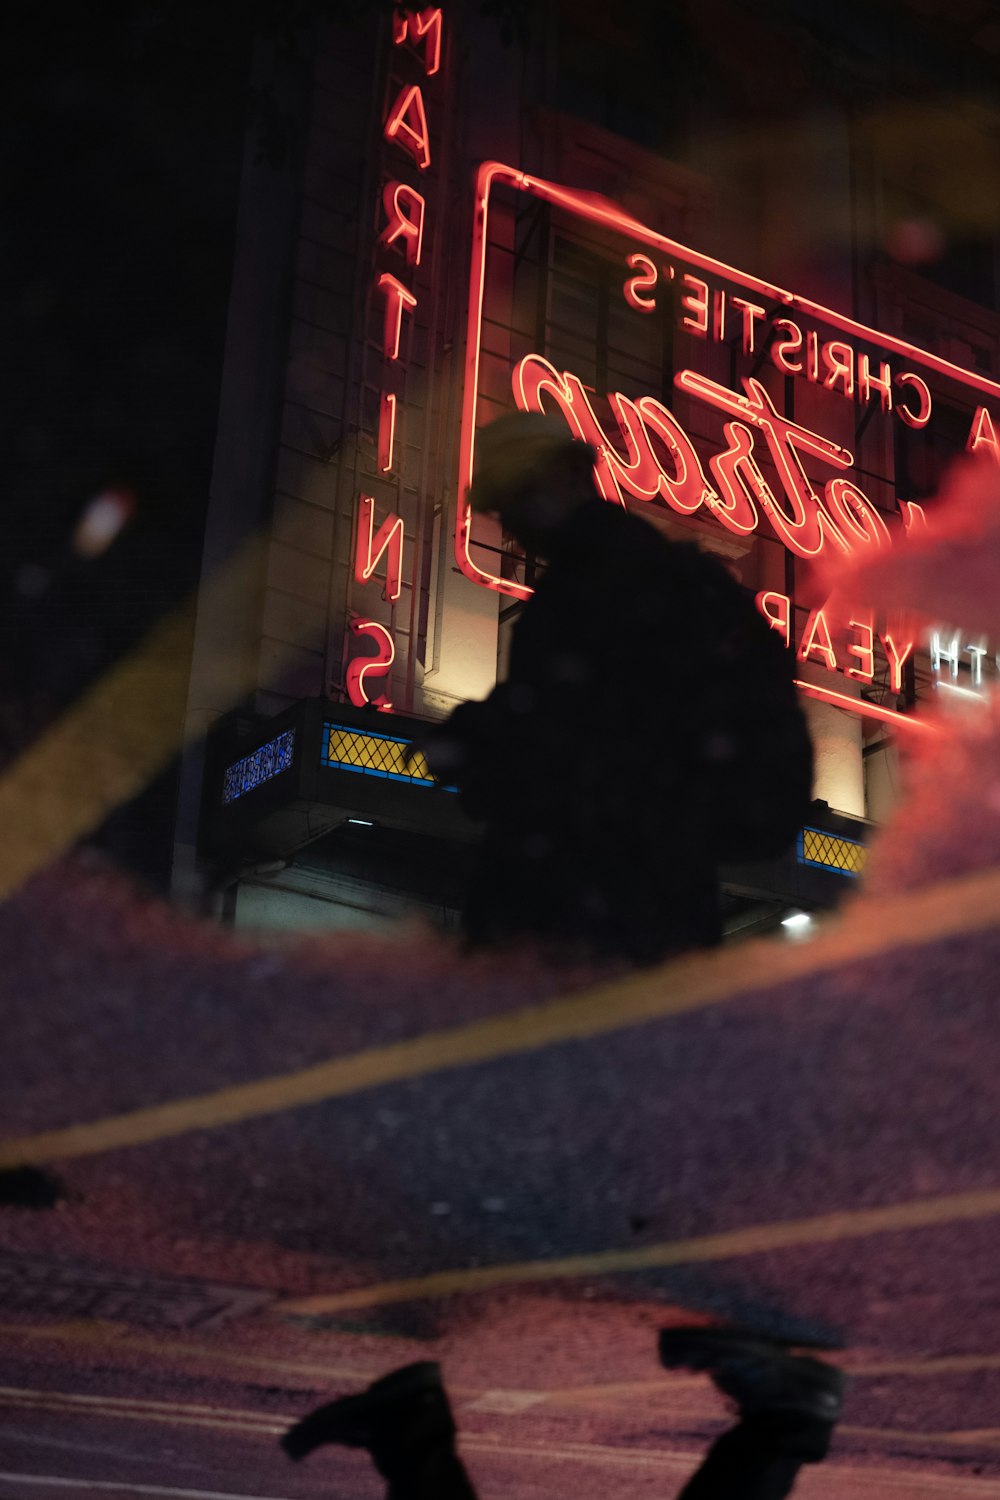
(647,730)
(788,1407)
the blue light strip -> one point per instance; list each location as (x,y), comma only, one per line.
(259,766)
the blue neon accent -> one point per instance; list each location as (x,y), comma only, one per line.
(259,766)
(369,734)
(342,765)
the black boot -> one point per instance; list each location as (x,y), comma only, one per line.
(405,1422)
(788,1404)
(758,1375)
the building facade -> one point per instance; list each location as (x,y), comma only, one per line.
(768,301)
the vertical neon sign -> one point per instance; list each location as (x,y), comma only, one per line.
(403,212)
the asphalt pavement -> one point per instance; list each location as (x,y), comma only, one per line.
(815,1155)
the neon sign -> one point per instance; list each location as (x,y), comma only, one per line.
(404,210)
(422,25)
(379,665)
(401,237)
(370,549)
(764,469)
(407,125)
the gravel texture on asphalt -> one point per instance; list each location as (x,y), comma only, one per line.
(869,1084)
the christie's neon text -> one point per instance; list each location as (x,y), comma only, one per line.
(718,314)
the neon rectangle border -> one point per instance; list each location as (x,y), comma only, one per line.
(599,210)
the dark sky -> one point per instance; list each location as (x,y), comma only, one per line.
(120,152)
(119,161)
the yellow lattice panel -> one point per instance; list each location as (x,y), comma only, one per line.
(820,848)
(376,754)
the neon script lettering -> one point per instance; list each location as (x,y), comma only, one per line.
(660,462)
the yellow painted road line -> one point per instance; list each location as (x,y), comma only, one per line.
(116,1336)
(118,1486)
(111,1336)
(260,1424)
(130,1409)
(123,731)
(963,906)
(186,1408)
(157,1419)
(102,751)
(834,1477)
(824,1229)
(986,1437)
(949,1364)
(593,1453)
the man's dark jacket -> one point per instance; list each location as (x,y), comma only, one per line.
(647,729)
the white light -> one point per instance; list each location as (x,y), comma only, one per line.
(362,822)
(101,522)
(962,692)
(797,921)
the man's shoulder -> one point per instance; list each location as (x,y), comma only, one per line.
(605,530)
(606,524)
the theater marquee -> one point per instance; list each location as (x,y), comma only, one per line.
(749,467)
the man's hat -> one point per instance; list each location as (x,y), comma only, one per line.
(513,450)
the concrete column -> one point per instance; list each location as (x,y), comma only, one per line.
(464,653)
(837,744)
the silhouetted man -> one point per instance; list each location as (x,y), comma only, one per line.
(648,726)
